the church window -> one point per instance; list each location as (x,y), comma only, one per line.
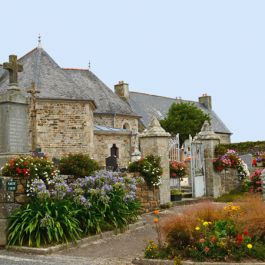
(126,126)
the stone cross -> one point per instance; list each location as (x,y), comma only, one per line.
(33,91)
(13,68)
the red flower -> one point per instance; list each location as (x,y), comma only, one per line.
(206,249)
(18,170)
(239,239)
(25,163)
(245,233)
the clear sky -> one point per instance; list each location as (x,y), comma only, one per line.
(165,47)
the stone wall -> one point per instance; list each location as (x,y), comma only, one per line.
(229,180)
(64,127)
(149,198)
(104,141)
(7,206)
(224,138)
(116,121)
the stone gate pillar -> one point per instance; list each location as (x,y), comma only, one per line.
(155,141)
(210,140)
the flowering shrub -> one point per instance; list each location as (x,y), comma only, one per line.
(177,169)
(150,169)
(254,183)
(30,167)
(231,160)
(212,232)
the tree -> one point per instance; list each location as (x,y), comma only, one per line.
(185,119)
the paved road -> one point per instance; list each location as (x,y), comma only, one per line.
(117,250)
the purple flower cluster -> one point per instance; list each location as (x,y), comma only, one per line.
(101,185)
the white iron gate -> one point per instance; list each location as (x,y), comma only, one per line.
(197,168)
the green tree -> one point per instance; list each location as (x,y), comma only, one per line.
(185,119)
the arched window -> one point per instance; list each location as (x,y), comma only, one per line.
(114,151)
(126,126)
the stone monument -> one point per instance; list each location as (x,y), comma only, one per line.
(13,115)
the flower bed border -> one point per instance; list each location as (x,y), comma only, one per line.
(139,261)
(82,242)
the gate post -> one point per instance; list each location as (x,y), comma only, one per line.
(209,141)
(155,141)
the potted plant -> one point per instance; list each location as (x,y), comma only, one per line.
(176,195)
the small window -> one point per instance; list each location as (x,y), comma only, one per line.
(114,151)
(126,126)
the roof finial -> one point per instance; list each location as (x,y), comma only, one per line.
(39,41)
(89,65)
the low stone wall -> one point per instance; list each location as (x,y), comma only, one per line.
(229,180)
(149,198)
(7,205)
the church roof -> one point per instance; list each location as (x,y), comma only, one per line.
(54,82)
(51,81)
(106,100)
(147,106)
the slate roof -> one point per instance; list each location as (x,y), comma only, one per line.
(106,100)
(50,79)
(107,129)
(54,82)
(147,106)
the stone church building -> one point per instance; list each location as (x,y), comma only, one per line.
(68,110)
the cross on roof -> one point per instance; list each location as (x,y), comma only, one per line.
(13,68)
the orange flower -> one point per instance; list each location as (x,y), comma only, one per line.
(156,220)
(202,240)
(156,212)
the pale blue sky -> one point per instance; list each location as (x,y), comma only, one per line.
(166,47)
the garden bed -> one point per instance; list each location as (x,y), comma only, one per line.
(82,242)
(171,262)
(212,232)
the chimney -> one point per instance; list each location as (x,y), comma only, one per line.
(206,101)
(122,90)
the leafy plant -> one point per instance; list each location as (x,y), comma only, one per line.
(78,165)
(150,169)
(175,192)
(44,222)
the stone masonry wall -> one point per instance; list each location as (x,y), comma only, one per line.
(224,138)
(104,141)
(116,121)
(64,127)
(229,180)
(149,198)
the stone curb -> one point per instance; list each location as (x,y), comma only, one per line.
(84,241)
(139,261)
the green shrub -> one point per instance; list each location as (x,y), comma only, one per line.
(78,165)
(241,148)
(150,169)
(42,222)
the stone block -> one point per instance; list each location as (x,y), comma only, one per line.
(6,196)
(7,208)
(3,232)
(22,198)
